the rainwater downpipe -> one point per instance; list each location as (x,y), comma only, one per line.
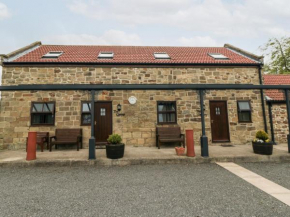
(262,100)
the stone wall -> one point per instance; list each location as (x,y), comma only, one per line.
(280,122)
(138,125)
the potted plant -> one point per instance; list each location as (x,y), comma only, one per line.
(114,148)
(261,144)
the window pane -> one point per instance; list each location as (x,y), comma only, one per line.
(48,107)
(36,119)
(51,106)
(244,105)
(170,107)
(103,112)
(86,107)
(166,106)
(87,118)
(49,119)
(166,118)
(162,118)
(160,107)
(171,118)
(37,107)
(245,116)
(42,119)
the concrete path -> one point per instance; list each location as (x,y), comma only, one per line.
(142,155)
(271,188)
(281,147)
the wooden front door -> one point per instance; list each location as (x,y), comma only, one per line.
(219,121)
(103,122)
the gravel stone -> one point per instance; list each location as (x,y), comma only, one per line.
(156,190)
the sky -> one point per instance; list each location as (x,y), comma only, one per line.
(247,24)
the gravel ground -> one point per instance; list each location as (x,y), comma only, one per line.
(276,172)
(161,190)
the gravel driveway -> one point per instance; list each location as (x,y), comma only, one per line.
(162,190)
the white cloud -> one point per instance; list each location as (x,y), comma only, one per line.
(4,12)
(246,18)
(110,37)
(199,41)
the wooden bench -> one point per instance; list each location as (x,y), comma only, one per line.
(41,139)
(66,136)
(169,135)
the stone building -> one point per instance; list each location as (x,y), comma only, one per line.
(231,116)
(277,107)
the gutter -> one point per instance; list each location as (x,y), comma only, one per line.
(50,87)
(263,100)
(123,64)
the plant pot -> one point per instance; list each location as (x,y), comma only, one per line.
(180,151)
(115,151)
(265,148)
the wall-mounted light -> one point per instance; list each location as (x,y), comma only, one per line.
(119,109)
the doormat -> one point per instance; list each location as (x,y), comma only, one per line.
(227,145)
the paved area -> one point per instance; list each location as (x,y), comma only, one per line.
(276,172)
(144,155)
(152,190)
(277,191)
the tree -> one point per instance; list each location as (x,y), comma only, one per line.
(278,50)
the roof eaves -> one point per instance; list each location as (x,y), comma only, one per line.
(132,64)
(20,52)
(256,58)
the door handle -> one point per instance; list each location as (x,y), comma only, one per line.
(95,122)
(212,121)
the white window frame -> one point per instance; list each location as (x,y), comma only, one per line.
(161,55)
(218,56)
(52,55)
(106,55)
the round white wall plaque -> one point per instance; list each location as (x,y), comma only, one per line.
(132,100)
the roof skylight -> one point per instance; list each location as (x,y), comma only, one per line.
(53,55)
(218,56)
(161,56)
(106,55)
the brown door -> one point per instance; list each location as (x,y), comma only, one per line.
(219,121)
(103,122)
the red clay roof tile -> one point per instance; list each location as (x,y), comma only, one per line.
(134,54)
(276,95)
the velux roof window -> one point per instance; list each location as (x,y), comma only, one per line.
(218,56)
(161,56)
(106,55)
(52,55)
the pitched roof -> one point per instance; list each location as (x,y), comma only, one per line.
(276,95)
(135,55)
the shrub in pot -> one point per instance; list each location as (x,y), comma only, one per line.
(262,144)
(114,148)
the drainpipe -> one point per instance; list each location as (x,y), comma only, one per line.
(92,140)
(271,122)
(288,115)
(262,100)
(203,138)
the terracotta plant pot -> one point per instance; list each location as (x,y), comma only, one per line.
(265,148)
(180,151)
